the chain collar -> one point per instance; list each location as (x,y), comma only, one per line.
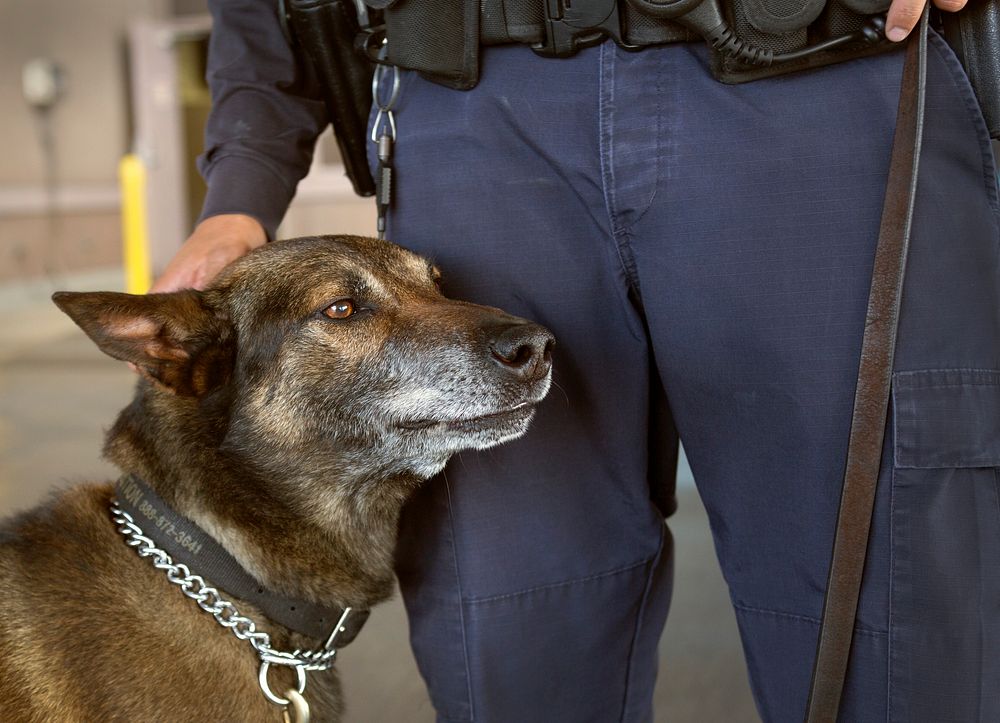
(225,613)
(187,543)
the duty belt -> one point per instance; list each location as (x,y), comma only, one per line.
(343,40)
(750,39)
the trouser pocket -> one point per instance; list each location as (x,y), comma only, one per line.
(944,622)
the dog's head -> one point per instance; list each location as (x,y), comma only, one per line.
(331,350)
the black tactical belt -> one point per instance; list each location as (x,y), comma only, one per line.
(749,39)
(342,40)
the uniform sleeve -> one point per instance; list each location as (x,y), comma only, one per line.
(265,118)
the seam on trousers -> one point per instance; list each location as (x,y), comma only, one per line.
(892,582)
(984,603)
(461,607)
(565,583)
(623,243)
(924,370)
(658,157)
(640,616)
(959,384)
(605,106)
(802,618)
(996,489)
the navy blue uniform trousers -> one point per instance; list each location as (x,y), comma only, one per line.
(707,248)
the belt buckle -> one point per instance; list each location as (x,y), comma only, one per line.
(571,25)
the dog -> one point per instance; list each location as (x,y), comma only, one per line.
(288,411)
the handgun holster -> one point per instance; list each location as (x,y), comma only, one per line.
(325,32)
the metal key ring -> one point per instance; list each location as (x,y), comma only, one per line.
(384,109)
(378,125)
(300,683)
(378,78)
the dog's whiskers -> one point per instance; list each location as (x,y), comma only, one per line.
(565,395)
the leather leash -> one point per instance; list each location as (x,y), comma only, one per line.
(871,398)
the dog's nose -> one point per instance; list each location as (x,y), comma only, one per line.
(524,350)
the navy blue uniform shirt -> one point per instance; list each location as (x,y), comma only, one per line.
(266,115)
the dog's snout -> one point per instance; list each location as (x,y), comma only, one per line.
(523,349)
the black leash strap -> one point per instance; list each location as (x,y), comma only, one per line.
(871,399)
(185,542)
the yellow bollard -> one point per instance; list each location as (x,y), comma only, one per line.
(135,238)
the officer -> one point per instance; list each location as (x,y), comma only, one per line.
(703,253)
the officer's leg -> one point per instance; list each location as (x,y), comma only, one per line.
(536,575)
(754,267)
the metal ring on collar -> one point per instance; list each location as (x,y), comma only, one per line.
(300,684)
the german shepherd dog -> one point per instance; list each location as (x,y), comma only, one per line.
(289,410)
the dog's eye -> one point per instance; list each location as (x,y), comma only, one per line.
(340,309)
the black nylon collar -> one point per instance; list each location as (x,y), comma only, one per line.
(187,543)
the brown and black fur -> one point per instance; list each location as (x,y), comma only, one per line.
(291,437)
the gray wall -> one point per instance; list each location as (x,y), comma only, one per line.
(85,37)
(78,227)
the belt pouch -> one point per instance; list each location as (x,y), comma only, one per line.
(325,31)
(779,25)
(782,26)
(439,38)
(974,35)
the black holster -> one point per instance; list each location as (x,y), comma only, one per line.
(323,33)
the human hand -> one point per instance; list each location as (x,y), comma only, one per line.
(904,15)
(215,242)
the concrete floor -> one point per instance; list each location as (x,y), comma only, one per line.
(58,394)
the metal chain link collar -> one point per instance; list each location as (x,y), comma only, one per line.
(226,614)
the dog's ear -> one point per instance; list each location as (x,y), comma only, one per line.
(175,339)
